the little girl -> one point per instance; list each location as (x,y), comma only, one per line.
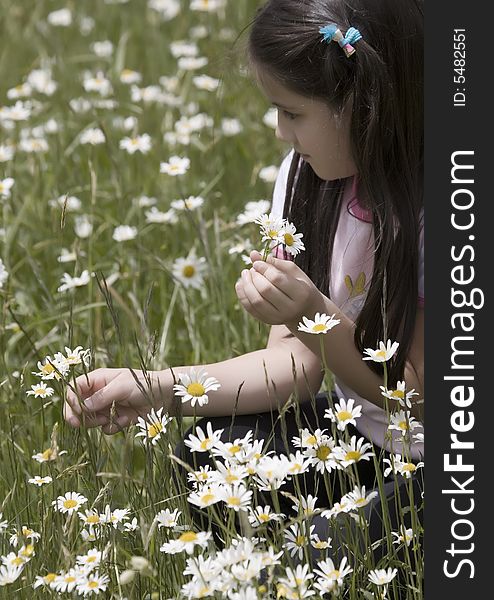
(347,79)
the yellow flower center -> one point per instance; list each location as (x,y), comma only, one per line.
(207,498)
(343,415)
(300,540)
(311,440)
(47,369)
(40,391)
(398,394)
(188,536)
(234,500)
(69,578)
(235,449)
(264,517)
(28,550)
(289,239)
(319,327)
(49,578)
(409,467)
(17,561)
(154,429)
(353,455)
(360,501)
(92,584)
(69,503)
(381,354)
(334,574)
(403,425)
(47,454)
(230,478)
(272,233)
(196,389)
(189,271)
(323,452)
(90,559)
(93,519)
(204,443)
(295,468)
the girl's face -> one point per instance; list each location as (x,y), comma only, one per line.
(312,128)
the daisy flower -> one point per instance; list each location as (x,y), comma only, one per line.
(205,82)
(295,583)
(271,226)
(305,506)
(383,353)
(123,233)
(153,426)
(92,136)
(354,451)
(263,514)
(91,559)
(308,439)
(75,356)
(358,497)
(322,323)
(327,570)
(291,240)
(195,386)
(40,390)
(187,542)
(190,203)
(69,503)
(39,481)
(254,209)
(404,536)
(344,413)
(165,518)
(9,574)
(296,539)
(202,442)
(323,456)
(119,515)
(51,369)
(175,166)
(382,576)
(400,394)
(6,186)
(397,465)
(209,494)
(402,421)
(68,282)
(66,582)
(128,76)
(44,580)
(139,143)
(229,474)
(190,271)
(90,518)
(92,584)
(269,174)
(236,496)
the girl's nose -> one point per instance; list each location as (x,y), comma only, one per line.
(283,134)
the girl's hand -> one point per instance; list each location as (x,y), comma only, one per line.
(110,398)
(277,291)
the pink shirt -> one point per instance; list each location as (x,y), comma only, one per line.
(351,272)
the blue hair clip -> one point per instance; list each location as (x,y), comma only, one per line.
(332,33)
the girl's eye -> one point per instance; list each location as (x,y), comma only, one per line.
(289,115)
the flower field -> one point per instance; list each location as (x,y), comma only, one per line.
(137,159)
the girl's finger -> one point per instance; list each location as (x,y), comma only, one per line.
(275,276)
(87,384)
(268,291)
(262,307)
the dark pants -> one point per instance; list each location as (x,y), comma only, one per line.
(280,432)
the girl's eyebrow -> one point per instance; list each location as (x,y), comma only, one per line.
(282,107)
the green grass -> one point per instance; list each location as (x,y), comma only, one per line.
(144,317)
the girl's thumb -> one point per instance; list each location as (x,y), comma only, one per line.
(255,255)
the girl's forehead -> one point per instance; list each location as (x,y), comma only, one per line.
(278,93)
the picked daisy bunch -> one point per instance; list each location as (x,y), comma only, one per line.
(278,232)
(60,367)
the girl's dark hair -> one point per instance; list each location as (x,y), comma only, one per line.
(383,80)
